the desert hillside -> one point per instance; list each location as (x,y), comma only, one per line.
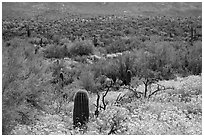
(105,8)
(101,68)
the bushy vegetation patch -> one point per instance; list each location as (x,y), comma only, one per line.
(77,48)
(56,51)
(124,44)
(81,48)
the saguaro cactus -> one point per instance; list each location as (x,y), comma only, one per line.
(41,42)
(61,79)
(95,41)
(81,108)
(129,75)
(28,31)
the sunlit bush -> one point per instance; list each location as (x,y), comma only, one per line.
(81,48)
(87,81)
(195,58)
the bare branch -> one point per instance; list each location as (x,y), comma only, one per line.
(101,107)
(159,88)
(144,82)
(117,99)
(103,98)
(134,90)
(97,105)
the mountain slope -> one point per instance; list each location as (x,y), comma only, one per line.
(29,9)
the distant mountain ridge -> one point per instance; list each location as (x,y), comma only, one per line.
(29,9)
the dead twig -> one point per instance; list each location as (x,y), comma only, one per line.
(159,88)
(97,105)
(117,99)
(103,98)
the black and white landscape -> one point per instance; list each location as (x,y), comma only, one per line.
(101,68)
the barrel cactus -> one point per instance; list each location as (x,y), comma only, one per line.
(81,108)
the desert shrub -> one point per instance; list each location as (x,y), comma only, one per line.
(19,106)
(115,68)
(107,41)
(104,67)
(34,40)
(82,59)
(101,50)
(69,76)
(116,46)
(135,43)
(108,68)
(125,63)
(124,44)
(13,60)
(21,99)
(38,40)
(21,73)
(81,48)
(163,59)
(60,68)
(144,69)
(64,41)
(111,121)
(87,81)
(180,63)
(181,57)
(111,70)
(195,58)
(71,90)
(56,38)
(56,51)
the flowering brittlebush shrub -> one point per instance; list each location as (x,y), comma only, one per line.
(111,121)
